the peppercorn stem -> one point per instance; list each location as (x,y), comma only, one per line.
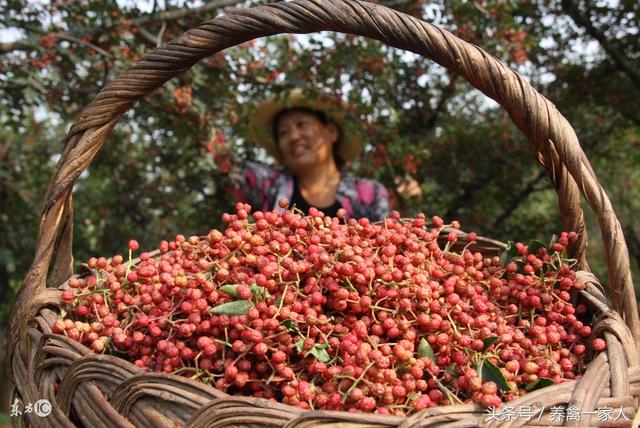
(357,381)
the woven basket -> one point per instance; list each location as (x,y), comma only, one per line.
(105,391)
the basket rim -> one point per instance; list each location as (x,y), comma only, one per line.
(549,133)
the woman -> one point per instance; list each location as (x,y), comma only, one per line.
(307,135)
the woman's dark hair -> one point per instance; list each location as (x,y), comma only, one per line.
(324,119)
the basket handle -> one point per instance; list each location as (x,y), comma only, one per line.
(550,136)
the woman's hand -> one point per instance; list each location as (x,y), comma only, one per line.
(408,187)
(217,146)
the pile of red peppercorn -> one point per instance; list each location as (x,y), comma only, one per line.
(328,313)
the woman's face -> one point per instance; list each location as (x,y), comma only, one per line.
(304,141)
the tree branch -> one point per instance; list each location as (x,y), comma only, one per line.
(631,117)
(18,45)
(69,38)
(146,35)
(166,16)
(4,269)
(394,3)
(173,15)
(445,96)
(517,200)
(633,243)
(463,200)
(583,21)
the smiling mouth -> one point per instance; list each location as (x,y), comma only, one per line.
(298,149)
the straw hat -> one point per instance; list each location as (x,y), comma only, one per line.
(350,142)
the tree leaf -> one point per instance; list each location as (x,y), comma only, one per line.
(535,245)
(239,307)
(424,349)
(230,289)
(542,382)
(259,293)
(508,253)
(488,341)
(490,372)
(319,351)
(291,325)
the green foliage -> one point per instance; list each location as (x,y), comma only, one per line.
(27,155)
(491,372)
(154,177)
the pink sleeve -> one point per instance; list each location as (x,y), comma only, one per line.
(366,191)
(346,204)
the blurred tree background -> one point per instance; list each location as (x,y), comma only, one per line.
(155,177)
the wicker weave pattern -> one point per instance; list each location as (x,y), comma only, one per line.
(105,391)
